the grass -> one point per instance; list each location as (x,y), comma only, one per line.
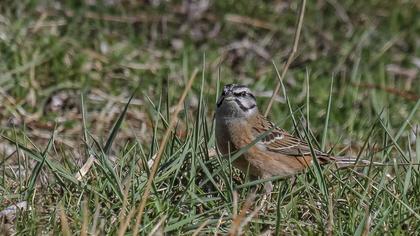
(98,84)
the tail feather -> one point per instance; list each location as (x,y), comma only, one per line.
(345,161)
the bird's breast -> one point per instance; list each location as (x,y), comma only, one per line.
(232,134)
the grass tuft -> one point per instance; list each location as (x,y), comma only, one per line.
(81,153)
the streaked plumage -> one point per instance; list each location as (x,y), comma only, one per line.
(278,153)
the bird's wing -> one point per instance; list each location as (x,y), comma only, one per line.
(280,141)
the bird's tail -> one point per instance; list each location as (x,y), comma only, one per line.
(348,161)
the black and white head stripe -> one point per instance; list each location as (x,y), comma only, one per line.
(243,96)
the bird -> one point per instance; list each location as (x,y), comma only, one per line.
(275,152)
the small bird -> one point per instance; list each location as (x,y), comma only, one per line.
(277,153)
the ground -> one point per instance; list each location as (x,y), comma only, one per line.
(68,69)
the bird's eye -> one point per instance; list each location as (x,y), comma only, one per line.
(241,94)
(223,93)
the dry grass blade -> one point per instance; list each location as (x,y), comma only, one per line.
(157,230)
(85,223)
(85,168)
(162,145)
(65,229)
(219,223)
(250,21)
(412,96)
(368,222)
(235,203)
(291,55)
(236,224)
(330,224)
(200,228)
(115,18)
(254,213)
(125,223)
(122,213)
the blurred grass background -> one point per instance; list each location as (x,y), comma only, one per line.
(51,52)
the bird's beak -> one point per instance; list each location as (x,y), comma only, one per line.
(227,97)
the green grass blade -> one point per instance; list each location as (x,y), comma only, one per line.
(117,125)
(327,118)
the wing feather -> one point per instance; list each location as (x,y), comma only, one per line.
(280,141)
